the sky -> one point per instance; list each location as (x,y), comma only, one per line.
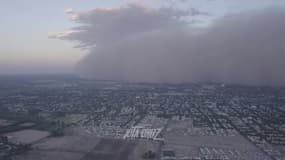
(26,28)
(25,46)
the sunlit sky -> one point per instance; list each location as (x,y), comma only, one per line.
(25,24)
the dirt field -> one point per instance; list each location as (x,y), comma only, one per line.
(49,155)
(74,146)
(61,148)
(143,146)
(27,136)
(111,149)
(88,148)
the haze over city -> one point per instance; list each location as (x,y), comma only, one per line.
(142,80)
(157,41)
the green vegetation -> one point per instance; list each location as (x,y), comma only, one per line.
(57,128)
(149,155)
(10,149)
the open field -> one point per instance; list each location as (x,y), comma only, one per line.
(144,146)
(61,148)
(89,148)
(107,149)
(49,155)
(26,136)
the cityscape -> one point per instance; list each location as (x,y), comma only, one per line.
(142,80)
(54,116)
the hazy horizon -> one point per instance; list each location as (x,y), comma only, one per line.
(160,41)
(142,80)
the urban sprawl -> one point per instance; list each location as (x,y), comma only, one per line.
(203,121)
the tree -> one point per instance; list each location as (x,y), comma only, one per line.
(149,155)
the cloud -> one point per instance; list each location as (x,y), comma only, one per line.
(103,26)
(61,35)
(69,11)
(140,44)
